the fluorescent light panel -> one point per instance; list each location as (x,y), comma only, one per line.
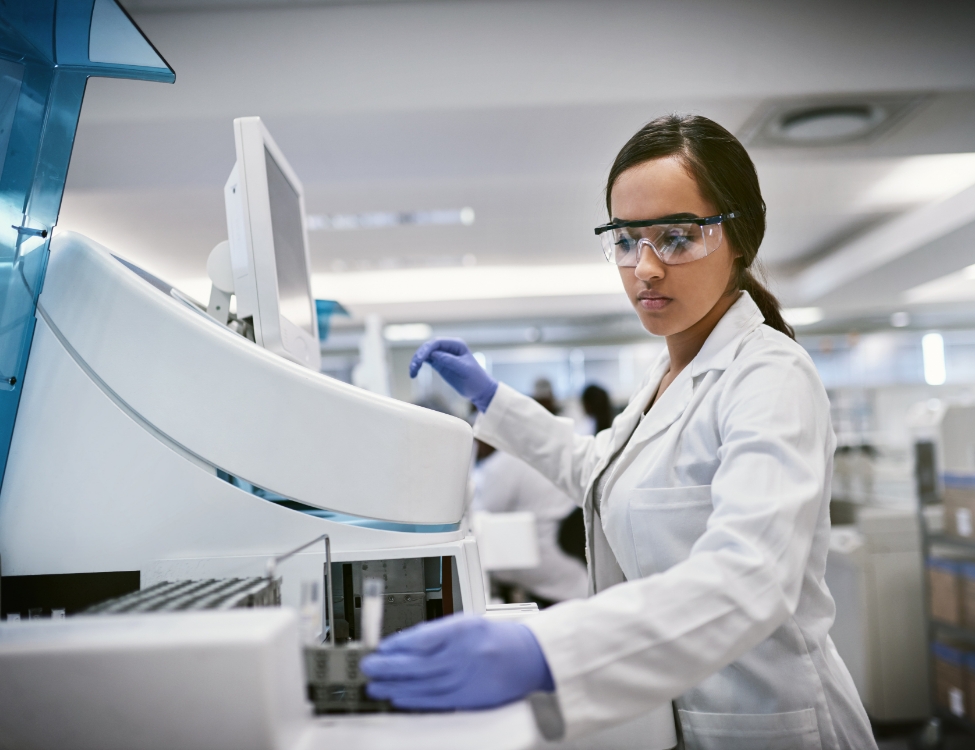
(802,316)
(954,287)
(933,351)
(466,283)
(891,240)
(448,284)
(408,332)
(386,219)
(919,179)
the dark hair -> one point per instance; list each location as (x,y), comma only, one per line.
(596,403)
(726,177)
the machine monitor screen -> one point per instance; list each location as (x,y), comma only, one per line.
(289,247)
(269,265)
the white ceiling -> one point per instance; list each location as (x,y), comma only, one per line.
(517,109)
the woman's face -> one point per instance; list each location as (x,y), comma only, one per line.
(669,299)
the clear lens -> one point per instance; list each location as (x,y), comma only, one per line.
(673,244)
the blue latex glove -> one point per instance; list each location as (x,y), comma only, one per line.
(458,662)
(455,363)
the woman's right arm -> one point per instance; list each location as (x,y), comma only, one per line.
(522,427)
(515,423)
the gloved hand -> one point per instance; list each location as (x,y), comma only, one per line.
(455,363)
(458,662)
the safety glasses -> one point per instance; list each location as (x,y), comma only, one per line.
(673,240)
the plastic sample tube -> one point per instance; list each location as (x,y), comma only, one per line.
(372,611)
(310,613)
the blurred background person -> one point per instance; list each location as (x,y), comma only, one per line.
(598,407)
(544,394)
(599,411)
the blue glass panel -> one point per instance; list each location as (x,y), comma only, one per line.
(25,28)
(114,39)
(326,308)
(44,67)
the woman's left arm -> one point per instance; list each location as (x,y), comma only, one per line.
(642,643)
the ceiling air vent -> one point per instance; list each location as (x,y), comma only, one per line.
(824,121)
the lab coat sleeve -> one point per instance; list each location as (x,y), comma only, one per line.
(645,642)
(522,427)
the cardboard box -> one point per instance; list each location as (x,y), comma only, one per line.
(968,594)
(945,590)
(970,684)
(960,511)
(951,679)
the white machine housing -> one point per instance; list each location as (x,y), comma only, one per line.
(875,573)
(134,404)
(265,204)
(231,679)
(203,681)
(134,398)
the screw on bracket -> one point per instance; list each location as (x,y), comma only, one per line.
(29,231)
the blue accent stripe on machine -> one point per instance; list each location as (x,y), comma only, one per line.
(373,523)
(335,517)
(959,481)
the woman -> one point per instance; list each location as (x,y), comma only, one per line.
(706,503)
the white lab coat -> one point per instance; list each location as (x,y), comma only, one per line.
(717,514)
(505,484)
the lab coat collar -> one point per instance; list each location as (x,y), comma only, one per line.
(625,425)
(670,404)
(721,346)
(717,353)
(634,412)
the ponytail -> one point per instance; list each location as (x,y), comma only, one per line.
(726,177)
(766,302)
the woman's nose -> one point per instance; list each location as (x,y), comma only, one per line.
(649,266)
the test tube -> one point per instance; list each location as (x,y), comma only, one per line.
(310,613)
(372,611)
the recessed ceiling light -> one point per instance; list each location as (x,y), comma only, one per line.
(826,121)
(835,123)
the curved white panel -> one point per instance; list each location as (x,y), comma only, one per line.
(246,410)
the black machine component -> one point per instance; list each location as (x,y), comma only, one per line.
(335,682)
(414,593)
(178,596)
(72,592)
(414,590)
(925,472)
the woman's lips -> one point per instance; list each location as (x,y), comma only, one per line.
(649,301)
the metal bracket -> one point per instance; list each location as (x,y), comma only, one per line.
(328,607)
